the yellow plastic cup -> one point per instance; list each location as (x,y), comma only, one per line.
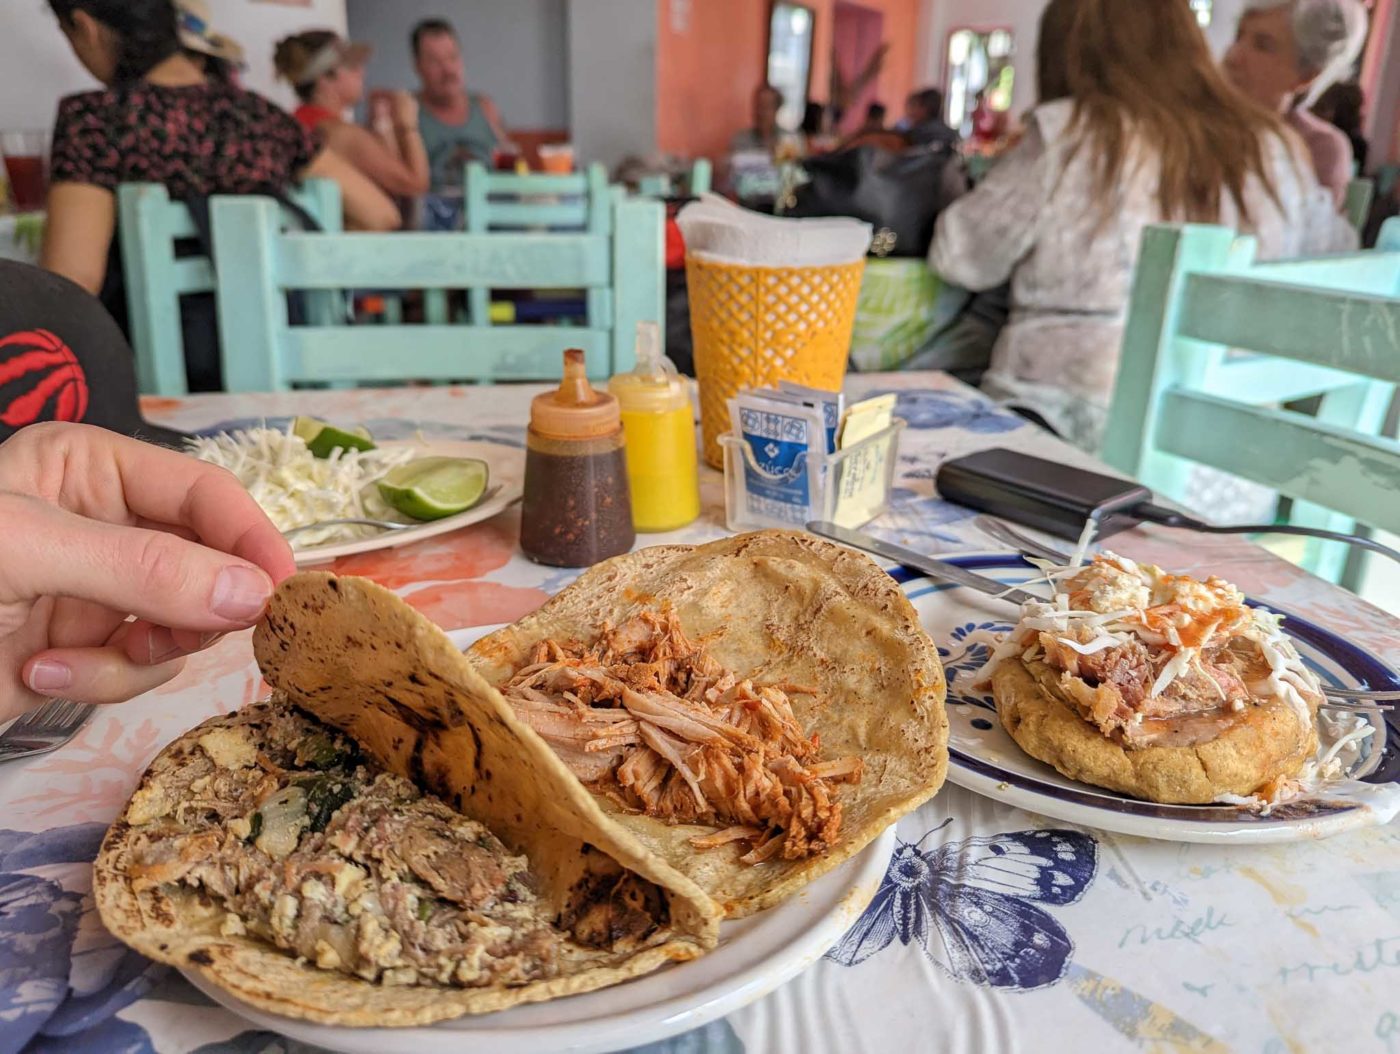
(756,326)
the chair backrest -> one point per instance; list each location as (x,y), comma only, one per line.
(505,201)
(1361,194)
(258,263)
(700,181)
(1189,389)
(150,227)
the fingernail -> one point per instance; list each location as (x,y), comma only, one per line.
(161,644)
(49,676)
(240,594)
(206,639)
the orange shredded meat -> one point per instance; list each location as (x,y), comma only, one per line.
(648,718)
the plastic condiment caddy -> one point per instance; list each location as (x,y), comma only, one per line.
(837,477)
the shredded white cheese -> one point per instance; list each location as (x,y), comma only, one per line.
(296,488)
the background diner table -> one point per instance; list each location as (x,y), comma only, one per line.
(1176,947)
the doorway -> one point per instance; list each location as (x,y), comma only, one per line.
(857,33)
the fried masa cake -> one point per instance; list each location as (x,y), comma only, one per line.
(1158,686)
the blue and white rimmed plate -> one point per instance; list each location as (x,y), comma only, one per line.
(755,956)
(985,759)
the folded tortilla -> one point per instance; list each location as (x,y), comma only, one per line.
(775,607)
(355,657)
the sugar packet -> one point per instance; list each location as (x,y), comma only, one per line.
(780,475)
(862,476)
(831,404)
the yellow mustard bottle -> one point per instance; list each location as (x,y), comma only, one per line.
(659,426)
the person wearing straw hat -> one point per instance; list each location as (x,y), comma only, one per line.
(328,75)
(221,56)
(160,118)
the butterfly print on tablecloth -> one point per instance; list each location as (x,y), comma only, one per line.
(977,907)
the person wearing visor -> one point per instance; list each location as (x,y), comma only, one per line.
(328,75)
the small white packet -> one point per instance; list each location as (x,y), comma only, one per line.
(780,483)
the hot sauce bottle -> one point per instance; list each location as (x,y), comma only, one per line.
(577,509)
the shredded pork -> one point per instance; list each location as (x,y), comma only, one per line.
(1153,658)
(649,718)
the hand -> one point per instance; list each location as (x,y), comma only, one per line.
(381,114)
(405,111)
(98,528)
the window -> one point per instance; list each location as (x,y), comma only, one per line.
(1204,10)
(978,61)
(790,59)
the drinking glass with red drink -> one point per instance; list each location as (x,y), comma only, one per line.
(26,168)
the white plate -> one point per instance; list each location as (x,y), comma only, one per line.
(755,956)
(985,759)
(507,472)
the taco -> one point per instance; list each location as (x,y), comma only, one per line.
(1156,685)
(383,843)
(754,711)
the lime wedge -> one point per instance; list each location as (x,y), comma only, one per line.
(323,439)
(433,487)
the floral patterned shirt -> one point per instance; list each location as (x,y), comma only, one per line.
(196,140)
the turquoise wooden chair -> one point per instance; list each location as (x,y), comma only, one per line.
(257,263)
(1215,343)
(149,226)
(504,201)
(699,181)
(1361,195)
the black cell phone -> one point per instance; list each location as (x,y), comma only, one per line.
(1047,495)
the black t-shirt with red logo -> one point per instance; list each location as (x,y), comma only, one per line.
(62,358)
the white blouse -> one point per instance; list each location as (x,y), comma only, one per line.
(1037,221)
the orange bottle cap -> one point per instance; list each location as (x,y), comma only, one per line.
(576,410)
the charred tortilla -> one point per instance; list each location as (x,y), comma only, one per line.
(445,820)
(779,609)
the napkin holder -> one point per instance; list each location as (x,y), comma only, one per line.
(850,487)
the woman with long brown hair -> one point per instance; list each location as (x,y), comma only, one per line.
(1136,125)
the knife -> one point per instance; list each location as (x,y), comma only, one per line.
(924,564)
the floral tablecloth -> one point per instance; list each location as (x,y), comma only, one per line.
(1154,946)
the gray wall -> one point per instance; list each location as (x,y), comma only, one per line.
(516,51)
(612,78)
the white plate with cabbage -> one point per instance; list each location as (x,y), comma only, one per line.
(311,472)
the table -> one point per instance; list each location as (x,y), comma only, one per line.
(1176,947)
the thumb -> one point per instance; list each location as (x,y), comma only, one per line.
(50,552)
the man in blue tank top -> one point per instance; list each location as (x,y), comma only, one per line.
(457,127)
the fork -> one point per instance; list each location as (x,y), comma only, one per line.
(387,525)
(44,729)
(1340,698)
(1018,540)
(349,521)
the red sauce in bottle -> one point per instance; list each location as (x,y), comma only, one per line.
(577,509)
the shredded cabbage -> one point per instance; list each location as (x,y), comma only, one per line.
(296,488)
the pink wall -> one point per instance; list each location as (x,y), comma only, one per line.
(706,72)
